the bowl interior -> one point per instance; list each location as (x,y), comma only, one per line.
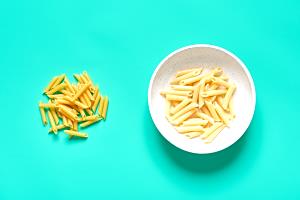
(209,57)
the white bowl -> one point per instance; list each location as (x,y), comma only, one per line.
(208,56)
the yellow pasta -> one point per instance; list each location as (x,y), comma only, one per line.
(199,100)
(182,72)
(176,92)
(81,91)
(186,76)
(74,104)
(182,87)
(75,133)
(183,117)
(211,129)
(87,123)
(196,93)
(50,85)
(56,89)
(228,96)
(193,134)
(212,110)
(179,106)
(221,113)
(214,134)
(210,93)
(58,80)
(194,122)
(105,105)
(43,115)
(52,122)
(172,97)
(185,129)
(184,110)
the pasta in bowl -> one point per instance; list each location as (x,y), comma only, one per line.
(201,98)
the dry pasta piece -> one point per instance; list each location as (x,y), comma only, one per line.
(194,122)
(181,105)
(96,102)
(43,115)
(214,134)
(182,87)
(211,129)
(191,80)
(47,105)
(183,117)
(186,76)
(52,122)
(57,88)
(184,110)
(81,91)
(231,108)
(221,113)
(76,133)
(210,93)
(105,105)
(182,72)
(54,114)
(58,80)
(186,129)
(228,96)
(196,93)
(177,92)
(59,127)
(50,84)
(193,134)
(206,117)
(172,97)
(212,110)
(87,123)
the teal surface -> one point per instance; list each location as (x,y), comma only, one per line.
(120,43)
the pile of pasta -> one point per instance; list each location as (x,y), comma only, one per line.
(200,104)
(71,105)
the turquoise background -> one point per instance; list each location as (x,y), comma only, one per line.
(120,43)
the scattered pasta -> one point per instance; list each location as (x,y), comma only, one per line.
(71,106)
(199,104)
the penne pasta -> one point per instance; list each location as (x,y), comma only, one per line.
(43,115)
(210,93)
(186,129)
(193,134)
(87,123)
(183,117)
(212,111)
(58,80)
(182,87)
(183,72)
(56,89)
(191,80)
(176,92)
(194,122)
(214,134)
(105,105)
(59,127)
(172,97)
(81,91)
(210,130)
(184,110)
(52,123)
(186,76)
(196,93)
(221,113)
(75,133)
(205,117)
(179,106)
(50,84)
(228,96)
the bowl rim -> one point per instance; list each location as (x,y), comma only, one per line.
(251,82)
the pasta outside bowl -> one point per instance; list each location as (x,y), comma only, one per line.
(208,57)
